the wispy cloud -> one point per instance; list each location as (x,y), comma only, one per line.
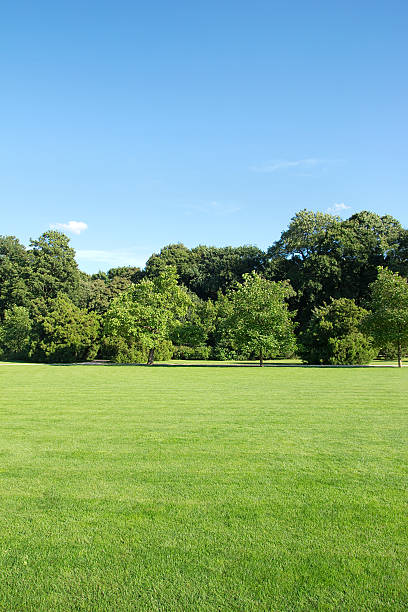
(212,208)
(114,258)
(338,208)
(285,164)
(74,227)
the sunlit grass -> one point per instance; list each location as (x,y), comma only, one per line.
(206,488)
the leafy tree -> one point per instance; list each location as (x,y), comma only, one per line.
(334,335)
(148,311)
(131,273)
(305,236)
(177,256)
(207,270)
(193,329)
(326,258)
(397,255)
(366,241)
(388,320)
(258,318)
(216,269)
(64,332)
(15,333)
(54,269)
(307,255)
(15,273)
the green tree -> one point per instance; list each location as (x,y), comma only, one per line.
(149,311)
(366,242)
(15,333)
(15,273)
(206,270)
(63,332)
(388,320)
(258,319)
(131,273)
(308,255)
(54,269)
(335,335)
(326,258)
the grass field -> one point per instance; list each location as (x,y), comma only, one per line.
(203,489)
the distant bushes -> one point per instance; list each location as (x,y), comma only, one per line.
(191,352)
(334,335)
(122,350)
(54,332)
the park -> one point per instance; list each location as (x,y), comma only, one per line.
(204,306)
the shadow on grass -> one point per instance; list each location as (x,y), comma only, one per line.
(203,364)
(235,364)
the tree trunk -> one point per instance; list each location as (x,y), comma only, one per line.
(399,355)
(260,359)
(150,359)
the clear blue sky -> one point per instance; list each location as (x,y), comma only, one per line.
(198,122)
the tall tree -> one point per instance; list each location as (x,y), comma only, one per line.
(259,320)
(206,270)
(326,258)
(388,320)
(54,269)
(15,333)
(15,274)
(148,311)
(308,256)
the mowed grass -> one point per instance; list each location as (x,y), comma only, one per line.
(203,489)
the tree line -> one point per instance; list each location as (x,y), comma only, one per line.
(329,290)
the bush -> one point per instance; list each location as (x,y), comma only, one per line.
(389,352)
(189,352)
(64,333)
(334,336)
(15,334)
(122,350)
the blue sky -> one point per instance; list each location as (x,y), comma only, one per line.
(198,122)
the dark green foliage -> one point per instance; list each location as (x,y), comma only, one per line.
(15,334)
(63,332)
(53,265)
(207,270)
(191,352)
(126,350)
(334,335)
(321,256)
(194,329)
(131,273)
(15,274)
(325,258)
(388,320)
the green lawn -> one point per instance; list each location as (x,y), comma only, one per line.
(190,489)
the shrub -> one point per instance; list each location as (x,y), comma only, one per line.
(334,335)
(64,333)
(15,334)
(122,350)
(189,352)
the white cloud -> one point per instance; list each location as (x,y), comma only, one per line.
(74,227)
(338,208)
(284,164)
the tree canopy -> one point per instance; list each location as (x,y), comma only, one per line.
(388,320)
(181,301)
